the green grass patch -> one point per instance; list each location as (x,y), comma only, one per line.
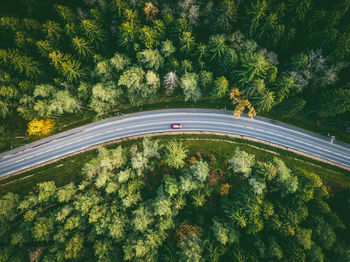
(68,169)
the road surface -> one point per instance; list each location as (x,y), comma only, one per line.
(160,121)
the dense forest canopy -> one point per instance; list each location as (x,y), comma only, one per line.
(60,58)
(154,202)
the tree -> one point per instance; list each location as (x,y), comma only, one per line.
(132,77)
(241,162)
(206,81)
(63,102)
(66,193)
(40,127)
(186,66)
(221,86)
(9,22)
(316,254)
(200,170)
(142,218)
(176,154)
(287,181)
(191,249)
(66,13)
(256,88)
(49,100)
(52,30)
(167,48)
(104,70)
(71,70)
(162,206)
(202,51)
(275,250)
(92,31)
(257,14)
(82,46)
(46,191)
(150,10)
(304,238)
(189,85)
(151,59)
(223,233)
(334,102)
(293,106)
(149,37)
(226,15)
(73,246)
(129,29)
(43,229)
(186,42)
(104,97)
(170,82)
(103,250)
(120,62)
(283,87)
(141,87)
(22,64)
(45,47)
(228,61)
(241,103)
(255,65)
(8,204)
(217,46)
(58,58)
(266,101)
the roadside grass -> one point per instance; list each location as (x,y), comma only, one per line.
(68,169)
(15,135)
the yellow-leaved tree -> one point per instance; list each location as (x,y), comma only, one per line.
(241,103)
(42,127)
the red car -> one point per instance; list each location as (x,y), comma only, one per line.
(176,126)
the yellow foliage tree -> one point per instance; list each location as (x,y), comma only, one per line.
(241,103)
(225,189)
(41,127)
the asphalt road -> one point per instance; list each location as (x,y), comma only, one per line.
(160,121)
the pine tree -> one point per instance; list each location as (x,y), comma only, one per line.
(82,46)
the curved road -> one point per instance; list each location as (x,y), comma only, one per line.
(160,121)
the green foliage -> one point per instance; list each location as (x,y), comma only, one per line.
(189,85)
(104,97)
(293,106)
(120,62)
(221,87)
(310,51)
(81,46)
(120,211)
(151,59)
(334,102)
(191,249)
(186,42)
(241,162)
(167,48)
(141,87)
(177,152)
(217,46)
(92,31)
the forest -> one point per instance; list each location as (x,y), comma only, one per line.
(156,202)
(58,58)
